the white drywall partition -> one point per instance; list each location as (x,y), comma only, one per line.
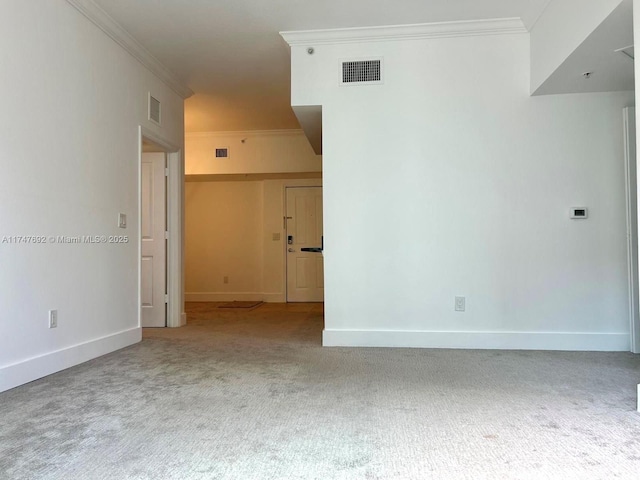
(69,158)
(448,179)
(223,241)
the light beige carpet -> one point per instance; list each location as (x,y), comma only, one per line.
(251,395)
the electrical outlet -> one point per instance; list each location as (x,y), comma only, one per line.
(53,318)
(460,304)
(225,279)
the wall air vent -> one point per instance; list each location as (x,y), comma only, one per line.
(222,152)
(154,110)
(361,72)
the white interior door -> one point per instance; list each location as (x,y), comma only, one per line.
(632,222)
(305,270)
(154,256)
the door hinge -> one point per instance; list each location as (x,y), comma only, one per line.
(166,235)
(166,172)
(166,298)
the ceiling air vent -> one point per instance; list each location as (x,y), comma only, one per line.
(222,152)
(359,72)
(154,110)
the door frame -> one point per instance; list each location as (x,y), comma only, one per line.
(631,197)
(176,316)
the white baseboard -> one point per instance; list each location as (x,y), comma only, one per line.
(274,298)
(233,296)
(37,367)
(604,342)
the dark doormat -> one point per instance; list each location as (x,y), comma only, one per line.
(237,304)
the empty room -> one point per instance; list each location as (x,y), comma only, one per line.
(319,240)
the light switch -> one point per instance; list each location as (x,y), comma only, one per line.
(122,220)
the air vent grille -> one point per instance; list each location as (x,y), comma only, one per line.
(154,110)
(362,71)
(222,152)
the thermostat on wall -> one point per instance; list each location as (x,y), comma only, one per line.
(579,212)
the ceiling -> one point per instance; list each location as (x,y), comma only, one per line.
(608,70)
(229,52)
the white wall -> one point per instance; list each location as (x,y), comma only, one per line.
(561,28)
(271,151)
(449,179)
(230,227)
(223,231)
(72,104)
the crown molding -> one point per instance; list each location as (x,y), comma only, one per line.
(499,26)
(123,38)
(243,133)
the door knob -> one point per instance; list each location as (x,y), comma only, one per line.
(291,250)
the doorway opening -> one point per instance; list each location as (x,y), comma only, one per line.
(236,228)
(304,245)
(153,236)
(631,190)
(161,231)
